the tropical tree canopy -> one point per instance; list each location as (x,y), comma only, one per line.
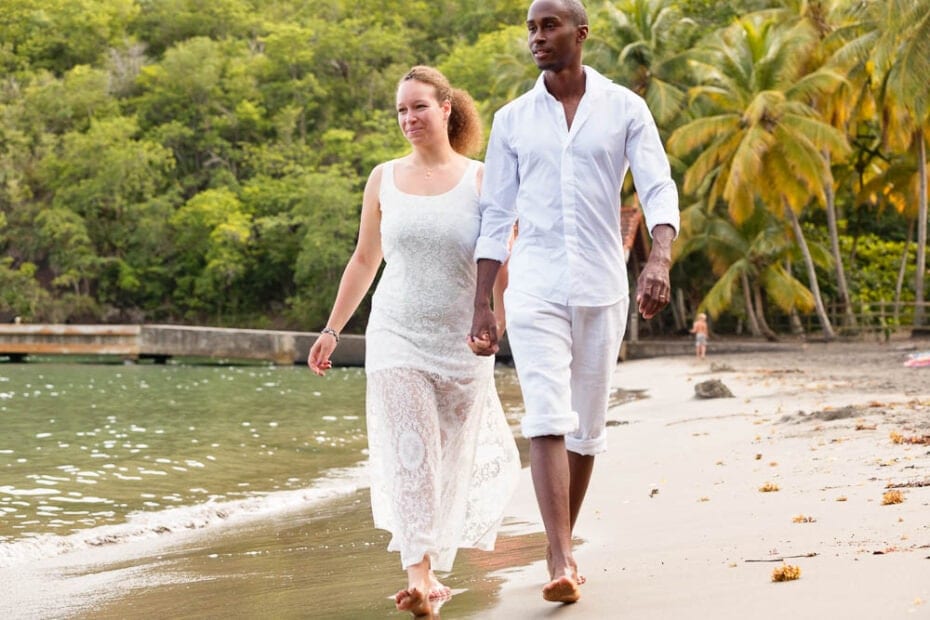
(204,162)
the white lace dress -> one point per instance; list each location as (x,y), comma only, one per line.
(443,460)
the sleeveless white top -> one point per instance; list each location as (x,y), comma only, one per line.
(422,308)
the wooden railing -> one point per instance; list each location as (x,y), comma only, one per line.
(879,318)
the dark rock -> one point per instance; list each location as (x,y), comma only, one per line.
(714,388)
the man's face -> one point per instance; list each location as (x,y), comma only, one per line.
(554,40)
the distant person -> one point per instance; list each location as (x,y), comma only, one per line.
(700,331)
(443,459)
(556,161)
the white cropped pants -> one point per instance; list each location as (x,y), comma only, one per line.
(565,357)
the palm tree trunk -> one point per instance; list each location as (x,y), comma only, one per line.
(750,313)
(760,314)
(794,319)
(899,285)
(825,325)
(678,310)
(921,228)
(842,288)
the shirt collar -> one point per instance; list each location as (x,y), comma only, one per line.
(594,82)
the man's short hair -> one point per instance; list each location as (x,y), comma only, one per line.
(577,11)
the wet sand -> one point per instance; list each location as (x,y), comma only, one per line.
(675,525)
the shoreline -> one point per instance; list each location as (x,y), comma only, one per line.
(674,525)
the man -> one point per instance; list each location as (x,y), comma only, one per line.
(555,163)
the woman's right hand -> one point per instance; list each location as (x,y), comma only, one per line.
(318,358)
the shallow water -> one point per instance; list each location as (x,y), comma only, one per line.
(188,491)
(88,445)
(99,453)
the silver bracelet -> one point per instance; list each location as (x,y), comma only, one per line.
(331,332)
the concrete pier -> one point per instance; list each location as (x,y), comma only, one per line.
(160,342)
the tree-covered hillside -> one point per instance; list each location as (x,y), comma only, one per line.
(202,162)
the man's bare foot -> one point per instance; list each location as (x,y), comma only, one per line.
(562,589)
(580,581)
(436,589)
(412,600)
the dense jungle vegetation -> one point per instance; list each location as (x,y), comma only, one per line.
(202,162)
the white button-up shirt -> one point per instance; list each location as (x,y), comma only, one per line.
(563,186)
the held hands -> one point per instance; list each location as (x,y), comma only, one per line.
(483,337)
(318,358)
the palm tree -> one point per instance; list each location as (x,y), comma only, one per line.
(637,43)
(750,256)
(891,40)
(896,184)
(760,138)
(836,107)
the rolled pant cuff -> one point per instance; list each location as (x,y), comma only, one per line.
(586,447)
(561,426)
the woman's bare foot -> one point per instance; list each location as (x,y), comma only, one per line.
(437,590)
(562,589)
(412,600)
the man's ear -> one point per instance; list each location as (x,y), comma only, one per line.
(582,33)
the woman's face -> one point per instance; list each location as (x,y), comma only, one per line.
(420,115)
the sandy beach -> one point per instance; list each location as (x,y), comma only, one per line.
(676,524)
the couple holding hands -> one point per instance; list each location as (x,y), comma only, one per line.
(443,461)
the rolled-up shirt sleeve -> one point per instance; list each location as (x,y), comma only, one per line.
(498,201)
(652,174)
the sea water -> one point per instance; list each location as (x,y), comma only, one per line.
(190,490)
(94,453)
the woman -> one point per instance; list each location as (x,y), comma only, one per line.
(443,460)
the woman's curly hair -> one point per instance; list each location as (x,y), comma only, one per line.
(465,133)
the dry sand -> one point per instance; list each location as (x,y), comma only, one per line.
(676,524)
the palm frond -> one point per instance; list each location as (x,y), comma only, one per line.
(784,290)
(822,136)
(664,100)
(745,168)
(821,82)
(720,296)
(700,132)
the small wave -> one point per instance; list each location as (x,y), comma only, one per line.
(144,525)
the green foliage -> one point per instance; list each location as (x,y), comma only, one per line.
(198,161)
(873,276)
(492,69)
(874,263)
(163,23)
(59,34)
(212,231)
(20,293)
(327,217)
